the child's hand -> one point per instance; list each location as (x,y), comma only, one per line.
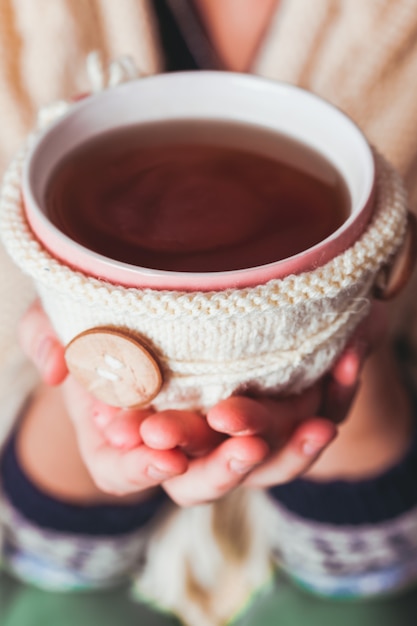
(282,432)
(129,466)
(261,442)
(118,459)
(295,438)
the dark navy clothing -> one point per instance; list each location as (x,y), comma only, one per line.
(50,513)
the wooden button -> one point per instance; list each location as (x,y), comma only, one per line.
(114,366)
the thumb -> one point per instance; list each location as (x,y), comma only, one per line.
(40,343)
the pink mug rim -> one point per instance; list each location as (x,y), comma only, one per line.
(104,268)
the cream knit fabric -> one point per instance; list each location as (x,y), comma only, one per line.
(359,54)
(280,337)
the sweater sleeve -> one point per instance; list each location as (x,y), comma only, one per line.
(43,48)
(361,56)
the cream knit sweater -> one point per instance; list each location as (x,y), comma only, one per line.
(359,54)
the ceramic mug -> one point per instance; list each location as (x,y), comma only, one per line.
(137,336)
(204,96)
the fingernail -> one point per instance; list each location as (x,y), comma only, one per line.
(44,351)
(240,467)
(157,474)
(352,368)
(312,447)
(242,433)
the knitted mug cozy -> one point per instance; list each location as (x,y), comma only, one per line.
(281,336)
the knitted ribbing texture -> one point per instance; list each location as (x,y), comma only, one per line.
(279,337)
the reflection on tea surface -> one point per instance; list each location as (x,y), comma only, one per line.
(196,196)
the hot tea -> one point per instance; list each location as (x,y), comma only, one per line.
(196,196)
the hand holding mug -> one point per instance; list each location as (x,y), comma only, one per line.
(259,442)
(272,327)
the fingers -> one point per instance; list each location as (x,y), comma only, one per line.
(120,428)
(39,342)
(239,416)
(347,369)
(271,417)
(294,438)
(212,476)
(165,430)
(366,338)
(187,430)
(301,451)
(249,455)
(121,469)
(338,400)
(343,382)
(124,472)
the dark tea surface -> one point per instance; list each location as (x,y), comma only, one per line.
(196,196)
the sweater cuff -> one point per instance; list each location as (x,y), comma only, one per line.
(350,503)
(47,512)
